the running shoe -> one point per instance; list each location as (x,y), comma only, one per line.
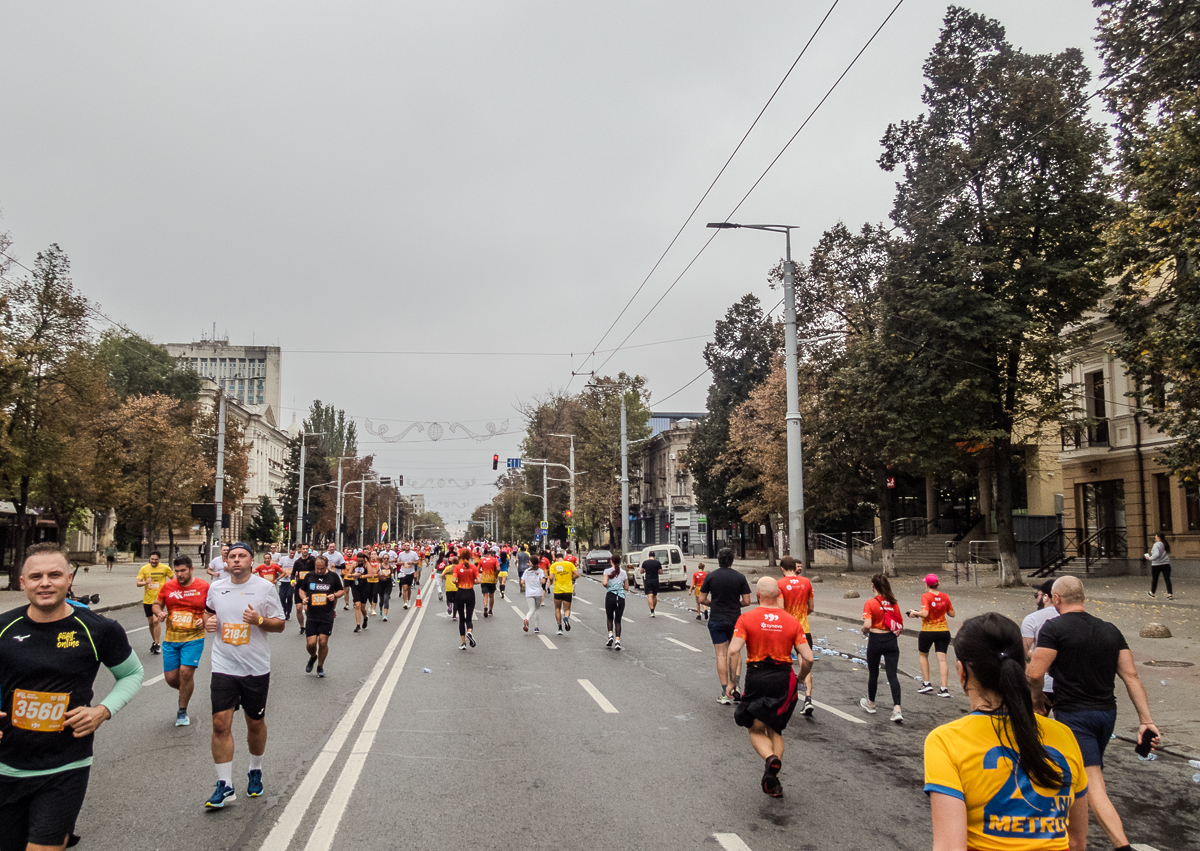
(224,792)
(406,606)
(617,644)
(357,628)
(440,595)
(385,618)
(567,622)
(697,617)
(943,692)
(1150,594)
(364,621)
(462,647)
(652,613)
(609,643)
(865,704)
(525,625)
(320,672)
(312,660)
(770,778)
(254,783)
(535,630)
(896,716)
(302,630)
(560,630)
(470,639)
(181,718)
(926,688)
(1170,596)
(808,705)
(154,649)
(706,614)
(725,700)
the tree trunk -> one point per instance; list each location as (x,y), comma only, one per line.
(887,546)
(14,570)
(1006,539)
(771,543)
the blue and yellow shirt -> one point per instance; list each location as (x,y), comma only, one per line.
(972,759)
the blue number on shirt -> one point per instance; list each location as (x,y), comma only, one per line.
(1018,809)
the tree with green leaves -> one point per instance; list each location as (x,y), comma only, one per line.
(265,527)
(1153,246)
(138,367)
(316,472)
(338,435)
(1001,201)
(740,357)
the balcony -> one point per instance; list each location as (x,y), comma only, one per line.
(1080,436)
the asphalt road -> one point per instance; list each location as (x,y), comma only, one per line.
(504,746)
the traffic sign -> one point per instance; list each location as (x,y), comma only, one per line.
(514,463)
(545,524)
(570,531)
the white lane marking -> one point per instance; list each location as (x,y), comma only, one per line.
(546,641)
(139,629)
(839,713)
(581,600)
(598,697)
(153,680)
(681,644)
(626,619)
(1143,847)
(731,842)
(339,796)
(293,815)
(672,617)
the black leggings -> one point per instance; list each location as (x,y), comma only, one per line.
(614,607)
(1165,571)
(883,645)
(464,609)
(385,595)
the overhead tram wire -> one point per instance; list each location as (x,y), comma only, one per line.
(596,349)
(754,186)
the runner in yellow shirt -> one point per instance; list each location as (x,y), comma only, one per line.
(152,577)
(451,585)
(563,573)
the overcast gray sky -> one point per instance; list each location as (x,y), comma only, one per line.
(479,177)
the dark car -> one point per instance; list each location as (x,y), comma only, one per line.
(597,561)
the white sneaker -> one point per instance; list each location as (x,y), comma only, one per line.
(896,716)
(943,692)
(926,688)
(865,704)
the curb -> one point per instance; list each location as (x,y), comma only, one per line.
(115,607)
(911,633)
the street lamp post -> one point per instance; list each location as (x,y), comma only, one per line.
(300,484)
(797,543)
(572,523)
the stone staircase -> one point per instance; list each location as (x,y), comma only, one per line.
(920,554)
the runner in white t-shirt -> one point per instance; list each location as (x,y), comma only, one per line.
(531,582)
(407,574)
(241,610)
(216,567)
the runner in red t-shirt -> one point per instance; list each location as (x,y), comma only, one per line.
(180,603)
(882,622)
(489,571)
(797,595)
(697,582)
(465,576)
(269,570)
(769,635)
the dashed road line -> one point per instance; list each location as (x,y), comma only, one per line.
(839,713)
(598,697)
(731,842)
(547,641)
(1143,847)
(153,680)
(581,600)
(672,617)
(681,644)
(139,629)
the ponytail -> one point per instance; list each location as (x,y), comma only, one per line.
(616,568)
(990,648)
(882,586)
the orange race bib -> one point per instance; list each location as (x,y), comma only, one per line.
(182,619)
(235,633)
(317,600)
(39,711)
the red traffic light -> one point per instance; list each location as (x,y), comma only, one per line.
(569,513)
(495,462)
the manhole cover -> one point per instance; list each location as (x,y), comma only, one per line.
(1167,664)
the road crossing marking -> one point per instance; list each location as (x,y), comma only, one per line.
(839,713)
(598,697)
(547,641)
(153,680)
(731,842)
(293,815)
(672,617)
(681,644)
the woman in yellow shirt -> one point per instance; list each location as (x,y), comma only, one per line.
(451,585)
(1003,778)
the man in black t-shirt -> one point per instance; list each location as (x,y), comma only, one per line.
(1085,655)
(50,653)
(725,591)
(319,591)
(304,564)
(651,568)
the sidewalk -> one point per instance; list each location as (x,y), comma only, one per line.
(117,590)
(1173,692)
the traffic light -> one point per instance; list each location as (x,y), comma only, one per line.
(667,525)
(495,462)
(569,513)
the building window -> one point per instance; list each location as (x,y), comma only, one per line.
(1191,496)
(1163,484)
(1096,408)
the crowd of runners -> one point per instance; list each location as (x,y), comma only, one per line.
(1059,659)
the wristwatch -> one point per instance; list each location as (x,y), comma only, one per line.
(260,620)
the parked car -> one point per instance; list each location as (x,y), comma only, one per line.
(597,561)
(674,571)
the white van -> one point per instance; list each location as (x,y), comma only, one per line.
(674,571)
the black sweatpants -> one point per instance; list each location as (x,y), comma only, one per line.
(464,609)
(885,646)
(1163,570)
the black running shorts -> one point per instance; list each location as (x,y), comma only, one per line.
(40,810)
(939,641)
(246,693)
(319,624)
